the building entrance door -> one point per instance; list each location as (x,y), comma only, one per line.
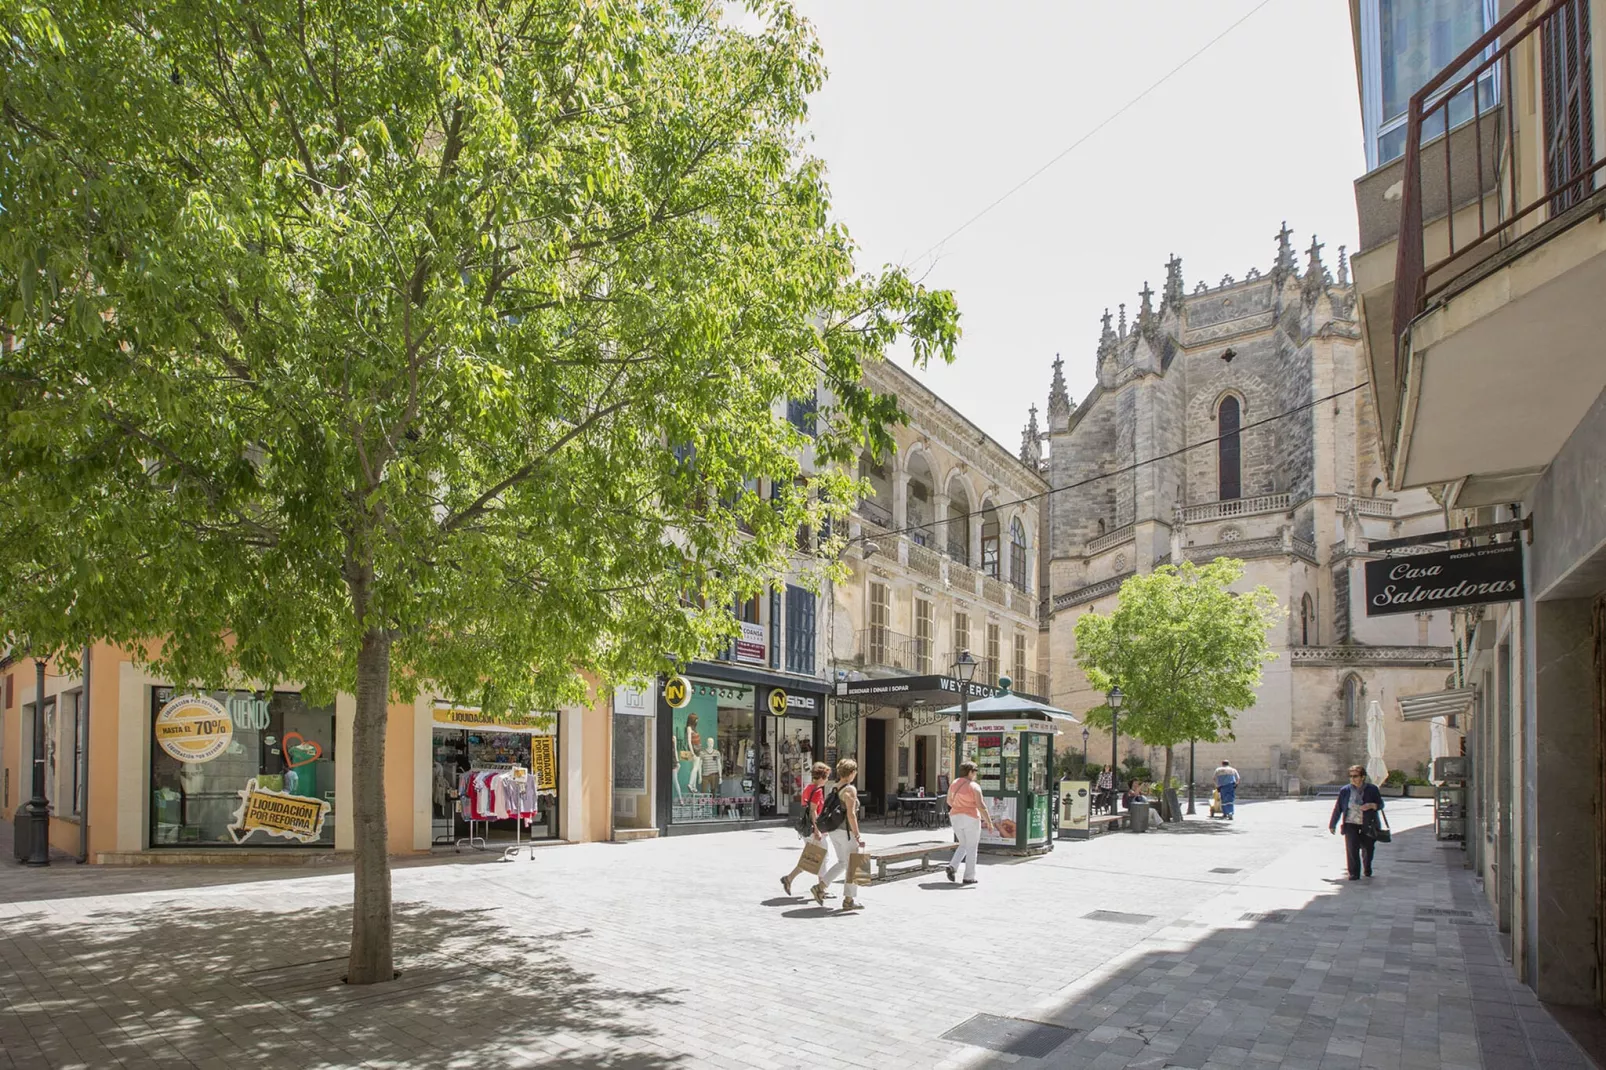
(922,759)
(873,773)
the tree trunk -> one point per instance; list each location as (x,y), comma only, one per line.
(371,953)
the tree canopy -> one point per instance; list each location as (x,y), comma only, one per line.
(419,344)
(1185,650)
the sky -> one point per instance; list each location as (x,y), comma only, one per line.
(935,108)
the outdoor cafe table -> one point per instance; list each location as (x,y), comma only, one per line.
(923,809)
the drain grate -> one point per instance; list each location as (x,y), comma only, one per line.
(1119,918)
(1010,1036)
(1275,917)
(1442,912)
(1226,869)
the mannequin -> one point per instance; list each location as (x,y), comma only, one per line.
(711,765)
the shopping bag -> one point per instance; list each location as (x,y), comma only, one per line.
(813,858)
(1215,803)
(858,868)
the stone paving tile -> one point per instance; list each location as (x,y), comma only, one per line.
(680,953)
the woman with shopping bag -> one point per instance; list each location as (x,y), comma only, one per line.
(839,820)
(812,799)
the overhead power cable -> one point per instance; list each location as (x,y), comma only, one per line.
(1106,121)
(1133,467)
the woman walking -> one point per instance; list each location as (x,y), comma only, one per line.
(839,820)
(967,810)
(1358,806)
(812,799)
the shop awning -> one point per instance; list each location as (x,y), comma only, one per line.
(1012,705)
(1433,704)
(906,691)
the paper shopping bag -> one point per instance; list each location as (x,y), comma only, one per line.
(813,858)
(858,868)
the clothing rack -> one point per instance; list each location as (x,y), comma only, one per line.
(520,774)
(514,772)
(473,842)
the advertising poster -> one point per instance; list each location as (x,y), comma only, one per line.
(544,761)
(194,729)
(277,813)
(1002,812)
(1037,821)
(1074,799)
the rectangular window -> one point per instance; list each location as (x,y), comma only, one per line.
(800,630)
(876,648)
(961,633)
(802,413)
(1020,659)
(922,636)
(275,741)
(994,655)
(1404,43)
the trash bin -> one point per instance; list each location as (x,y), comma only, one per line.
(1140,816)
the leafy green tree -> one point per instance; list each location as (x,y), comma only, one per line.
(395,345)
(1185,650)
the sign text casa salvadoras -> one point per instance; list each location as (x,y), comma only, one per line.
(1442,580)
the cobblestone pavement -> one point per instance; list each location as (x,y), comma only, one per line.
(1203,946)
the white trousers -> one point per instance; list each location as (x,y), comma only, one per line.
(967,830)
(842,845)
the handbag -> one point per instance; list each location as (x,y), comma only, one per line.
(1378,833)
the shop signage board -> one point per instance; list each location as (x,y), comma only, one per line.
(1472,576)
(194,729)
(677,692)
(777,701)
(750,644)
(471,717)
(278,813)
(903,690)
(1006,727)
(633,701)
(544,761)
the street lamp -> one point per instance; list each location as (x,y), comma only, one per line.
(964,672)
(1190,777)
(1113,700)
(39,807)
(1086,731)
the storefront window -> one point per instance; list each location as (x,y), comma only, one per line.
(204,767)
(790,755)
(716,755)
(462,744)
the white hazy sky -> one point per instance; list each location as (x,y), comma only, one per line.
(936,107)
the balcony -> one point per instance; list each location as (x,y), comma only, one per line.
(1265,503)
(879,648)
(1108,542)
(1492,353)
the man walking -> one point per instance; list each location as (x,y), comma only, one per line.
(839,820)
(1227,783)
(967,810)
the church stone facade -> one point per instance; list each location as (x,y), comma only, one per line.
(1233,421)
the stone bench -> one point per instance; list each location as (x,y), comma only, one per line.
(1106,822)
(883,857)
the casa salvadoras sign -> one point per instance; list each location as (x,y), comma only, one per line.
(1442,580)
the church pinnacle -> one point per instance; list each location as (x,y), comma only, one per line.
(1171,299)
(1059,399)
(1343,266)
(1031,450)
(1284,268)
(1145,324)
(1315,271)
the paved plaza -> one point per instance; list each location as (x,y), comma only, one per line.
(1206,946)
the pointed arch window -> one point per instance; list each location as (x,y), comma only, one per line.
(1019,573)
(1307,622)
(1353,693)
(1228,470)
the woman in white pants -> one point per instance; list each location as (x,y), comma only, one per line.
(839,820)
(967,812)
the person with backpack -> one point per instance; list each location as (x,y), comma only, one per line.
(812,799)
(839,820)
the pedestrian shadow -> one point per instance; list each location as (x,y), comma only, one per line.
(1186,1003)
(264,987)
(816,912)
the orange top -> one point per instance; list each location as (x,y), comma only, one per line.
(965,797)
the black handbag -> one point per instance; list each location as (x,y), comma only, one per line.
(1378,833)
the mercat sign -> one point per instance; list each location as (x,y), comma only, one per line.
(1442,580)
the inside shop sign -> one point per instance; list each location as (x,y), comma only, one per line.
(1443,580)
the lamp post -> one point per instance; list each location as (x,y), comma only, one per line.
(1113,700)
(1086,731)
(39,806)
(964,672)
(1190,777)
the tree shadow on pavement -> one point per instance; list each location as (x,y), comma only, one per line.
(1364,974)
(249,986)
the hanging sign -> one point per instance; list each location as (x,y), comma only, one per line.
(544,761)
(677,692)
(194,729)
(778,701)
(278,813)
(750,644)
(1442,580)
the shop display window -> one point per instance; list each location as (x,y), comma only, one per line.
(715,754)
(275,741)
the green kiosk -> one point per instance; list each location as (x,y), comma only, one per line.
(1011,738)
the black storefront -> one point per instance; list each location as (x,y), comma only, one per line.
(734,746)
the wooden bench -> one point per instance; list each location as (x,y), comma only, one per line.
(1107,822)
(909,852)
